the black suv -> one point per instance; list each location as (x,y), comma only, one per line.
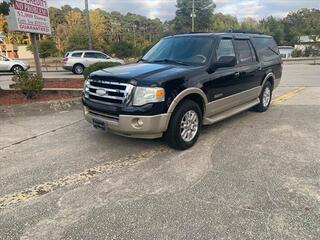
(184,82)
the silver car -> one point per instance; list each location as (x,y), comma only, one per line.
(11,65)
(77,61)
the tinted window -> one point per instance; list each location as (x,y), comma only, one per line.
(90,55)
(225,48)
(77,54)
(2,58)
(187,49)
(101,56)
(244,51)
(267,48)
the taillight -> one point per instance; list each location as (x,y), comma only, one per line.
(65,59)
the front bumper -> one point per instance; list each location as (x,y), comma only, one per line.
(126,125)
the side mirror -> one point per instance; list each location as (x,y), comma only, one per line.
(225,61)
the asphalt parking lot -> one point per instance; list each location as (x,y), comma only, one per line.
(253,176)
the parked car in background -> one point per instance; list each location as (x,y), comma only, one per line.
(11,65)
(77,61)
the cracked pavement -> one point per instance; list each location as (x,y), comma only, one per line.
(253,176)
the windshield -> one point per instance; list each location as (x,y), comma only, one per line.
(189,50)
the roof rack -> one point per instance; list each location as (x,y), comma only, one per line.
(243,31)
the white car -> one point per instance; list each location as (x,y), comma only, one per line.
(77,61)
(11,65)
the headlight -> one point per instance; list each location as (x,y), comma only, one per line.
(144,95)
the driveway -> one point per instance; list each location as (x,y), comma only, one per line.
(253,176)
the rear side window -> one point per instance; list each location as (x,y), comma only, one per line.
(225,48)
(244,50)
(267,48)
(90,55)
(77,54)
(101,56)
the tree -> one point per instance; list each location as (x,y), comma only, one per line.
(274,27)
(204,13)
(221,22)
(77,40)
(250,24)
(47,48)
(4,7)
(303,22)
(124,50)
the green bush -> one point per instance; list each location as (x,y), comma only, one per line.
(98,66)
(29,84)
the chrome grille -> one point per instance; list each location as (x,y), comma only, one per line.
(108,92)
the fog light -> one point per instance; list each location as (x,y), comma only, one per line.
(137,123)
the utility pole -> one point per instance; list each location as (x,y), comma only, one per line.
(193,15)
(88,24)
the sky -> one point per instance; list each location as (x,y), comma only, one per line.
(165,9)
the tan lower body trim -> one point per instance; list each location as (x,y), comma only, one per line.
(229,102)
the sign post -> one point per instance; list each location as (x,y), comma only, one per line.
(31,16)
(35,50)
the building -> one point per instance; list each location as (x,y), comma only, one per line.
(307,42)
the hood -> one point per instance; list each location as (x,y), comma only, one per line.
(143,73)
(18,61)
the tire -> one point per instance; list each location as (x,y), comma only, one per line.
(265,98)
(16,69)
(184,112)
(78,69)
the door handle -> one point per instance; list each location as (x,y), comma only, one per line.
(236,74)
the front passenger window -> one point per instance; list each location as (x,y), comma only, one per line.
(225,48)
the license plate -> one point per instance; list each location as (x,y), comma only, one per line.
(99,125)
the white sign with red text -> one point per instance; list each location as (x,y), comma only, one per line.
(29,16)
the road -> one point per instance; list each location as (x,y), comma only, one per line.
(253,176)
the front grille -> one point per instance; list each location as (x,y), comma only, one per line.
(108,92)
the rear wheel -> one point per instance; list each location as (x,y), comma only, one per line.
(17,69)
(185,125)
(265,98)
(78,69)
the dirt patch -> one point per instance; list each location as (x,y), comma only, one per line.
(70,83)
(15,98)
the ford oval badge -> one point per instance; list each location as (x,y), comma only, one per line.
(101,92)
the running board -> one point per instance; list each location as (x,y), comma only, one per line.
(230,112)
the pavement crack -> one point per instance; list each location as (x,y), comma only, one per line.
(77,178)
(41,134)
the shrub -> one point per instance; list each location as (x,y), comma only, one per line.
(29,84)
(98,66)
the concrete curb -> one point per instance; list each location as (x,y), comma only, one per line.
(38,108)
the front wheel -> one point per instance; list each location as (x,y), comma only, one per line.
(185,125)
(265,98)
(17,69)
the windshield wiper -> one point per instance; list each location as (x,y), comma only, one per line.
(170,61)
(143,60)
